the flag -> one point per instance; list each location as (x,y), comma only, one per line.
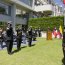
(64,1)
(60,29)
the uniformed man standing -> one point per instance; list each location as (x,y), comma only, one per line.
(30,37)
(1,38)
(63,45)
(9,34)
(36,32)
(34,35)
(39,32)
(19,39)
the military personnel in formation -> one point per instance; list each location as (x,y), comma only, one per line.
(36,32)
(34,35)
(39,32)
(9,35)
(63,45)
(1,38)
(30,37)
(19,39)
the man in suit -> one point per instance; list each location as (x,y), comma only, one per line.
(9,33)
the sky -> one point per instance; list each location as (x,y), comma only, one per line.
(59,2)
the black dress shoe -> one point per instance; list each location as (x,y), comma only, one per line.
(10,53)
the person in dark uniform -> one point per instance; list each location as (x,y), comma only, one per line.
(36,32)
(34,35)
(30,37)
(19,39)
(63,45)
(9,33)
(1,38)
(39,32)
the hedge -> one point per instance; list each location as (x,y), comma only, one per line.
(46,22)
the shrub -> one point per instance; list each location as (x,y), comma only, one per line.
(46,22)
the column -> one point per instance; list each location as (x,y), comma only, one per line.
(13,15)
(33,3)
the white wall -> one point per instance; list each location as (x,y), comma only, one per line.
(58,10)
(43,8)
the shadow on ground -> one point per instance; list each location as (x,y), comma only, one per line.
(15,51)
(63,61)
(33,45)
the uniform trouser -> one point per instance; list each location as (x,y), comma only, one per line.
(9,46)
(30,41)
(18,43)
(39,34)
(64,52)
(1,43)
(34,38)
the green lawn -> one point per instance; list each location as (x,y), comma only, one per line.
(43,53)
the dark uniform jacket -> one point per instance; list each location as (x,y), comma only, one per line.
(19,34)
(30,34)
(9,33)
(63,40)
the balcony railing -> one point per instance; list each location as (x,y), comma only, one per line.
(5,18)
(20,20)
(43,8)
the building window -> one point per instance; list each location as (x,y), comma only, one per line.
(9,10)
(5,9)
(2,10)
(28,2)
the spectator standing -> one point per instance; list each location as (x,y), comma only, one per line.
(55,32)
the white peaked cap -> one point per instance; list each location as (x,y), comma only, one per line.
(10,22)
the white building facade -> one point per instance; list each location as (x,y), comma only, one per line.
(58,10)
(48,5)
(10,8)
